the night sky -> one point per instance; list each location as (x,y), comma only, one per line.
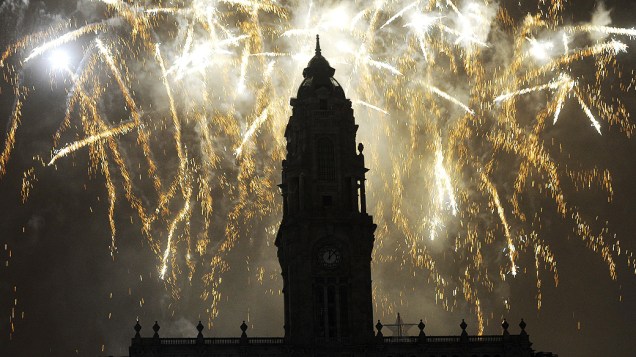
(62,293)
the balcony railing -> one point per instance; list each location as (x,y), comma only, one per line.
(448,339)
(213,341)
(281,341)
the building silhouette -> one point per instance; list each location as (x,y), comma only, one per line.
(324,242)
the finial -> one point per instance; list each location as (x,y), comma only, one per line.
(464,335)
(156,328)
(200,329)
(522,324)
(318,53)
(422,336)
(360,148)
(137,329)
(505,325)
(243,334)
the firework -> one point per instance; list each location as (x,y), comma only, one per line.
(438,85)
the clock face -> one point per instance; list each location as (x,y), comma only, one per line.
(329,257)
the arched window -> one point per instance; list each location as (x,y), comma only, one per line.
(326,160)
(331,308)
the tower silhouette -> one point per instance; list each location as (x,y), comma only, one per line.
(325,237)
(324,242)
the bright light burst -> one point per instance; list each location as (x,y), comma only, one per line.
(439,86)
(59,60)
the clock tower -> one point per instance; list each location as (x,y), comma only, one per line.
(326,237)
(324,242)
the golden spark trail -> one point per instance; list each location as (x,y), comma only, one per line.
(602,29)
(90,103)
(566,44)
(537,250)
(111,63)
(28,180)
(466,34)
(119,130)
(461,36)
(252,129)
(244,62)
(269,54)
(561,96)
(596,242)
(68,37)
(443,181)
(564,85)
(611,48)
(368,105)
(298,32)
(112,197)
(183,175)
(422,23)
(453,7)
(29,39)
(143,137)
(398,14)
(186,48)
(9,142)
(200,58)
(383,65)
(512,251)
(357,18)
(175,119)
(450,98)
(185,211)
(234,40)
(162,10)
(563,82)
(589,114)
(308,17)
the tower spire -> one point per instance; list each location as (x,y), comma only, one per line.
(324,217)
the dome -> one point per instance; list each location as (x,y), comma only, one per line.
(319,74)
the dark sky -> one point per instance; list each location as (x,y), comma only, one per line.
(62,294)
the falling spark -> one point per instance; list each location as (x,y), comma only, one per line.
(563,81)
(589,114)
(450,99)
(566,43)
(173,227)
(250,132)
(383,65)
(444,186)
(368,105)
(512,251)
(66,38)
(602,29)
(120,130)
(398,14)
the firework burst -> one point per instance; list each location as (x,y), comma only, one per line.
(437,86)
